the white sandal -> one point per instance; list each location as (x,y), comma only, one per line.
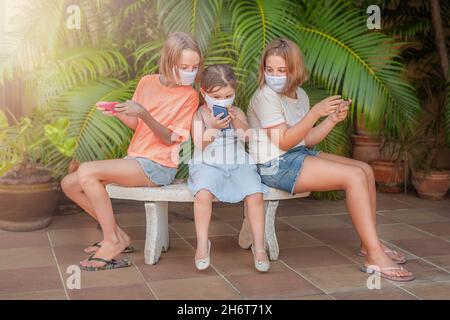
(261,265)
(202,264)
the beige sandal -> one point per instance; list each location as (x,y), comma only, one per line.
(381,273)
(389,252)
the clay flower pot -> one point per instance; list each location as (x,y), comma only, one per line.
(389,175)
(431,185)
(366,148)
(27,205)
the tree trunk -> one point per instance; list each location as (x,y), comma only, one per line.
(439,35)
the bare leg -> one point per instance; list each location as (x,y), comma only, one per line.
(202,216)
(95,199)
(372,190)
(256,216)
(325,175)
(73,190)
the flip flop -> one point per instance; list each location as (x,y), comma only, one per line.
(109,264)
(129,249)
(389,252)
(381,273)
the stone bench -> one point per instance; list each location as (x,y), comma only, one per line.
(156,201)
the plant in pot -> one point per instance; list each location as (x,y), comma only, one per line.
(366,140)
(28,190)
(431,177)
(391,168)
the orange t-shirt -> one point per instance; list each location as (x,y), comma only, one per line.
(172,108)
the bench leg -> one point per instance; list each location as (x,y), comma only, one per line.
(157,231)
(270,237)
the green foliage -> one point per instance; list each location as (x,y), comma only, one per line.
(72,71)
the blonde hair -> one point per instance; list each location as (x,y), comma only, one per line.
(171,53)
(295,64)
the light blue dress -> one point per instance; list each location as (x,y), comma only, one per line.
(224,168)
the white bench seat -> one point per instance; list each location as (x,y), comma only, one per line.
(156,201)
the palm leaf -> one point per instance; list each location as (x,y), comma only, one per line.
(256,22)
(97,136)
(347,59)
(75,67)
(37,36)
(197,17)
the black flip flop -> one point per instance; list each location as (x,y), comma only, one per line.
(109,264)
(129,249)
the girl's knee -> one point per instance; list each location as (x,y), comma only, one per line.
(256,198)
(203,196)
(85,173)
(68,183)
(366,168)
(357,176)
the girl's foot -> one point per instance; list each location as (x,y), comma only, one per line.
(262,263)
(380,261)
(202,261)
(120,233)
(108,251)
(394,255)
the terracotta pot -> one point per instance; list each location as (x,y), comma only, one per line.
(431,185)
(389,175)
(366,148)
(27,207)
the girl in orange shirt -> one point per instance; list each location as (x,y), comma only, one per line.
(160,114)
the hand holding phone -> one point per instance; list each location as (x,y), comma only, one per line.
(217,110)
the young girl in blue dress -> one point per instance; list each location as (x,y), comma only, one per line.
(220,167)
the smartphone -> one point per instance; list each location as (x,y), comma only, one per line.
(218,110)
(107,106)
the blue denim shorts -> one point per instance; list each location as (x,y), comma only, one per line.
(283,171)
(157,173)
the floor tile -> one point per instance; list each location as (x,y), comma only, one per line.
(26,258)
(171,268)
(30,280)
(210,288)
(272,285)
(123,292)
(308,257)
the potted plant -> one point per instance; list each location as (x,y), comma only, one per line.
(28,190)
(389,168)
(366,140)
(431,177)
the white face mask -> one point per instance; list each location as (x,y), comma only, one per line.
(187,78)
(276,83)
(222,102)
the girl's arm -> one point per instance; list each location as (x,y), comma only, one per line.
(198,133)
(239,122)
(134,109)
(130,122)
(287,137)
(319,132)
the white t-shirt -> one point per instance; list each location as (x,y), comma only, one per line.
(267,109)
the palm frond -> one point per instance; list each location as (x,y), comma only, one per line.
(197,17)
(255,23)
(98,137)
(75,67)
(346,58)
(36,33)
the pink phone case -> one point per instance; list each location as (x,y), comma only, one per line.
(107,106)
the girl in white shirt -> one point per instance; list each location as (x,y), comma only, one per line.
(281,145)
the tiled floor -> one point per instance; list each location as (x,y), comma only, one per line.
(317,257)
